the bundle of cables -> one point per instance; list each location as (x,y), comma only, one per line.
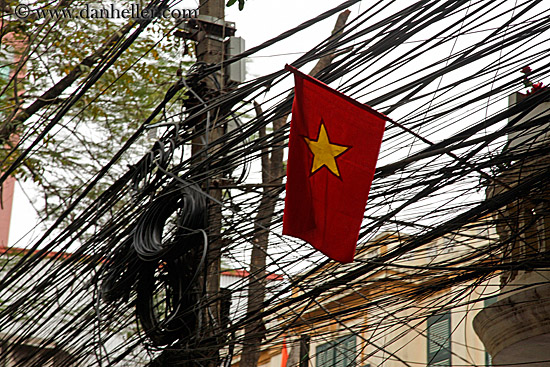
(149,170)
(161,261)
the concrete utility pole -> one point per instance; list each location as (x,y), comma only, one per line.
(210,33)
(210,42)
(210,50)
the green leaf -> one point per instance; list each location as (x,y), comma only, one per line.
(231,2)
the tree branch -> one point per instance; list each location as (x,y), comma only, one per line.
(52,94)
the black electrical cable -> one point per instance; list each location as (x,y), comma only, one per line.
(139,208)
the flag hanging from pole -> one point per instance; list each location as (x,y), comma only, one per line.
(333,148)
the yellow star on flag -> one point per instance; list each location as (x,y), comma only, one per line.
(325,152)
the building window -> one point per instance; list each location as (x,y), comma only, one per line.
(340,353)
(488,359)
(439,340)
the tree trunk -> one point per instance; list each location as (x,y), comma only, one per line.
(272,174)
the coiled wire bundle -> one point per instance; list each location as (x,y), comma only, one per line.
(161,261)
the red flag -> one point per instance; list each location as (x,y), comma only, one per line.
(284,354)
(333,148)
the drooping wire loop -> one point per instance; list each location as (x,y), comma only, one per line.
(161,261)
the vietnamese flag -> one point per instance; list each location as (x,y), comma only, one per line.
(333,148)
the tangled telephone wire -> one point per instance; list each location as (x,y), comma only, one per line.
(161,260)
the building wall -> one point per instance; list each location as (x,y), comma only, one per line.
(396,332)
(8,69)
(393,344)
(5,210)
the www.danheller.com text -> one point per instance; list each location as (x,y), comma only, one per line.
(137,11)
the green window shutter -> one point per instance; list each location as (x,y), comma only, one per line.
(446,363)
(325,355)
(488,359)
(439,340)
(347,350)
(488,302)
(340,353)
